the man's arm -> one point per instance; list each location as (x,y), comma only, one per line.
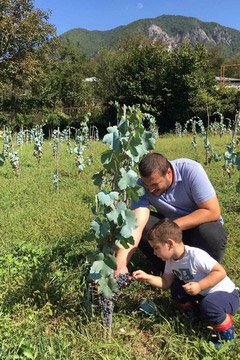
(123,255)
(163,282)
(217,274)
(207,211)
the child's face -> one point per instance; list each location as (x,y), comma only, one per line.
(162,250)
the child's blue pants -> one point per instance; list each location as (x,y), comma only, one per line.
(213,307)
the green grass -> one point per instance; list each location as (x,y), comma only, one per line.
(43,273)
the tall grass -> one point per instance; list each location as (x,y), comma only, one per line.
(43,273)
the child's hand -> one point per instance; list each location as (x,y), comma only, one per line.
(140,275)
(192,288)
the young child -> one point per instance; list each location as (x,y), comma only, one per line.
(193,275)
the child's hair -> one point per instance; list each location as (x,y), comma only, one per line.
(163,230)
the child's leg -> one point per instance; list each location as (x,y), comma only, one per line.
(179,294)
(215,306)
(185,301)
(218,309)
(224,332)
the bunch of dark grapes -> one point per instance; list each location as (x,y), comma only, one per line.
(107,309)
(121,280)
(108,305)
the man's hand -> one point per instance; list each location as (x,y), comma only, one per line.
(192,288)
(121,270)
(140,275)
(123,255)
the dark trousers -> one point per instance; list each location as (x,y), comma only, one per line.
(213,307)
(209,236)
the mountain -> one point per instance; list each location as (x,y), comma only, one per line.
(172,29)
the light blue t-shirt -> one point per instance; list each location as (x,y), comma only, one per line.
(191,186)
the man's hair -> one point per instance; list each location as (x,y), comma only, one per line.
(153,162)
(163,230)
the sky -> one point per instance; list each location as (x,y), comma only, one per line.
(108,14)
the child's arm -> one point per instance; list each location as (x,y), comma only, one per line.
(217,274)
(163,282)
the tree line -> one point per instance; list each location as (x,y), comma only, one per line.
(39,75)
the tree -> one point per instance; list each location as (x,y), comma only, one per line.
(215,59)
(107,67)
(229,100)
(65,85)
(143,72)
(186,73)
(25,41)
(203,102)
(233,71)
(132,73)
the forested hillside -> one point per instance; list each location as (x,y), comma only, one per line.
(171,29)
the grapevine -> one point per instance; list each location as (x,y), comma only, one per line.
(194,122)
(65,135)
(55,142)
(114,220)
(7,142)
(81,143)
(220,127)
(209,150)
(94,133)
(230,156)
(9,152)
(20,138)
(2,157)
(78,150)
(37,135)
(178,129)
(14,161)
(152,125)
(55,147)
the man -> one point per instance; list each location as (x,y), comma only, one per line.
(180,190)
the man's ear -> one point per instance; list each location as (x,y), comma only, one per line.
(169,171)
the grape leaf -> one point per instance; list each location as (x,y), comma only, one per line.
(128,179)
(98,178)
(130,223)
(110,261)
(100,267)
(108,286)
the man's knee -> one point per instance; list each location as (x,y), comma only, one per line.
(153,219)
(210,237)
(216,239)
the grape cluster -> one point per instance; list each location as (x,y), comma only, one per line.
(108,305)
(121,279)
(107,309)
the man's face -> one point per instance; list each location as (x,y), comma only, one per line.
(158,184)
